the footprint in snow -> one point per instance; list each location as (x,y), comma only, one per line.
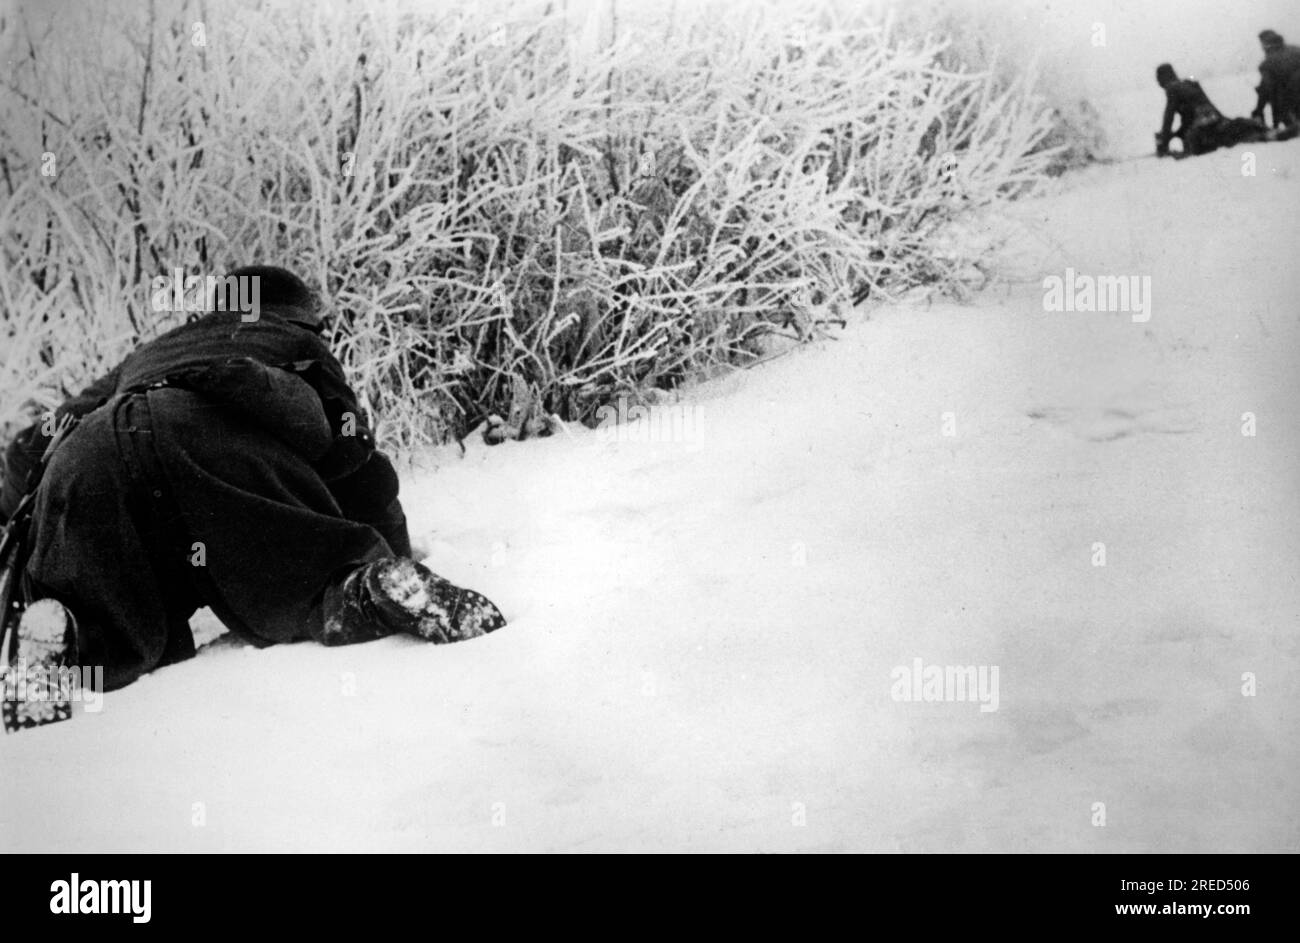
(1110,424)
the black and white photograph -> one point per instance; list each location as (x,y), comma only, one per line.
(651,426)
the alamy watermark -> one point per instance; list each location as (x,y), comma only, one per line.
(78,895)
(181,292)
(664,422)
(948,683)
(1075,292)
(50,684)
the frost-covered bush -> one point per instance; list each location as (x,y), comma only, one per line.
(509,211)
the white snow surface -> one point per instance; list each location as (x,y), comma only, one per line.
(702,632)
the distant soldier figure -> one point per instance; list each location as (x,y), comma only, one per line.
(225,464)
(1202,127)
(1279,85)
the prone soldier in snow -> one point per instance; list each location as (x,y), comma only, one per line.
(226,464)
(1202,127)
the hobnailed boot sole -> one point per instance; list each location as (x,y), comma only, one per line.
(36,692)
(412,599)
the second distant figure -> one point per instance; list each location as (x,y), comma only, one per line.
(1279,81)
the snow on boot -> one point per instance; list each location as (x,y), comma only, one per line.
(37,690)
(350,615)
(410,598)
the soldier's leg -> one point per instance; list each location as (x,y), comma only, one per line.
(1198,140)
(91,550)
(282,562)
(273,538)
(1288,102)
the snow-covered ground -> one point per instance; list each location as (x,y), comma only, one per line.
(704,632)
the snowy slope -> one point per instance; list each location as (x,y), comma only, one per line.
(703,631)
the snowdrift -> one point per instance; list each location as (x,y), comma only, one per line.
(707,615)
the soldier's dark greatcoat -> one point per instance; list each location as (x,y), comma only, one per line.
(1186,99)
(1202,126)
(226,463)
(1279,85)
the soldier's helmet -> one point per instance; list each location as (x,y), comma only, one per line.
(286,294)
(1271,40)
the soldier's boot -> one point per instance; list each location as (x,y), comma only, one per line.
(399,595)
(38,686)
